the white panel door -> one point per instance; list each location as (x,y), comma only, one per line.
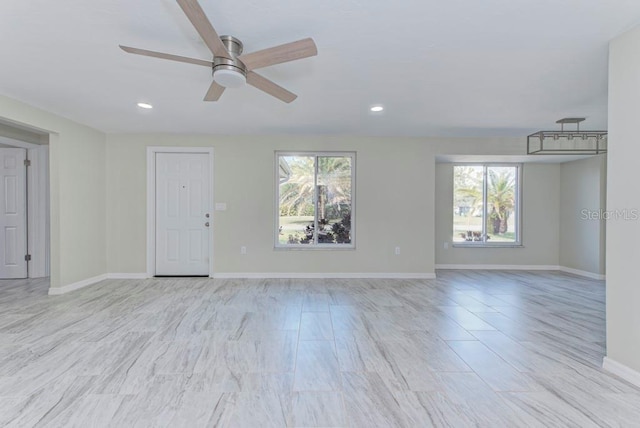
(182,213)
(13,214)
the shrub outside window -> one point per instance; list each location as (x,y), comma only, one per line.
(486,204)
(314,199)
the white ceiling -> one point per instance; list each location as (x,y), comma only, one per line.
(441,68)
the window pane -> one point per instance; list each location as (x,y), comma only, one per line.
(467,203)
(334,200)
(296,196)
(501,204)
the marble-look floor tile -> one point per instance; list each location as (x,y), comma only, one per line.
(543,409)
(316,302)
(180,357)
(357,354)
(48,402)
(316,326)
(369,403)
(433,409)
(183,352)
(195,409)
(518,356)
(280,383)
(317,367)
(250,409)
(423,350)
(156,406)
(622,409)
(317,409)
(17,358)
(471,396)
(346,318)
(491,368)
(465,318)
(93,410)
(275,352)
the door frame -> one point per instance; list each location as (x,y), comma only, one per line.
(151,201)
(38,210)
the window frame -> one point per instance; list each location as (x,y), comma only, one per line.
(314,246)
(518,206)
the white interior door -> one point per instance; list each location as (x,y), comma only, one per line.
(182,213)
(13,213)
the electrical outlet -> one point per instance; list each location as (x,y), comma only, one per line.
(243,250)
(397,251)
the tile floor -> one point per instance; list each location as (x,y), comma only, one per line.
(470,349)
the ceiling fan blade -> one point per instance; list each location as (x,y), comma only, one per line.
(278,54)
(266,85)
(162,55)
(203,26)
(215,92)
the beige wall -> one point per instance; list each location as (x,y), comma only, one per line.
(581,225)
(623,235)
(394,200)
(78,198)
(400,197)
(540,221)
(98,200)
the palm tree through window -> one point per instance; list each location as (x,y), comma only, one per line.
(315,199)
(486,204)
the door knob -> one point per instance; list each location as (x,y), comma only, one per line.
(207,224)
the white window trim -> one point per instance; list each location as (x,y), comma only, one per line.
(518,216)
(313,247)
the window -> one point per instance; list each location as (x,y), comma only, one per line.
(314,200)
(486,205)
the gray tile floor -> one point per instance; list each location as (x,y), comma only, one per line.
(488,349)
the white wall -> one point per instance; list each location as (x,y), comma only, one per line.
(623,235)
(394,200)
(78,197)
(540,221)
(582,244)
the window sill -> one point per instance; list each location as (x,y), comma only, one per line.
(484,245)
(326,247)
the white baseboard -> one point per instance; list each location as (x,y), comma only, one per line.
(583,273)
(90,281)
(523,267)
(76,285)
(622,371)
(500,267)
(127,275)
(270,275)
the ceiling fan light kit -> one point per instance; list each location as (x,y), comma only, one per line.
(229,78)
(563,142)
(230,72)
(230,68)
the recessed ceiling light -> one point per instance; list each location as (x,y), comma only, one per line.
(145,105)
(376,109)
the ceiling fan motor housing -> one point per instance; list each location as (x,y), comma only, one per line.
(230,72)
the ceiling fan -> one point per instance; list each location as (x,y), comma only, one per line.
(232,68)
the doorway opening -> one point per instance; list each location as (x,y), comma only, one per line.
(24,203)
